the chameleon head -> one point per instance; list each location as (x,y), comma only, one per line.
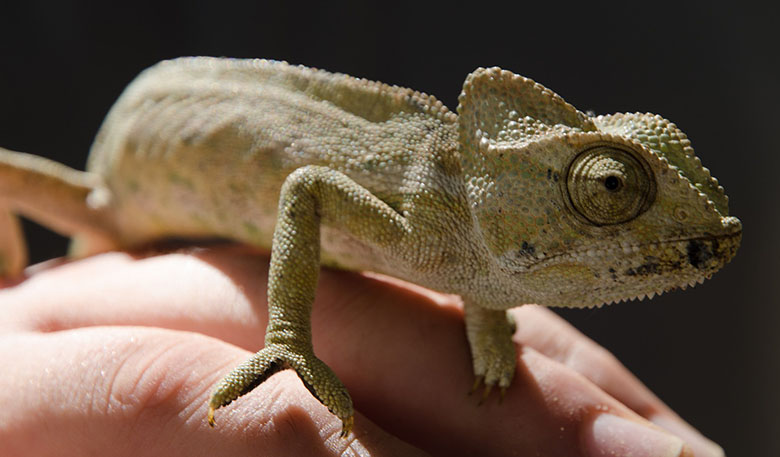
(579,210)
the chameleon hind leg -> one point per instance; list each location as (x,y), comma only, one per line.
(51,194)
(309,196)
(13,252)
(493,352)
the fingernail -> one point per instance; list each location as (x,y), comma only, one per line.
(610,435)
(701,446)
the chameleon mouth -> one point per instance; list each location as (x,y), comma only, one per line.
(619,272)
(699,259)
(711,253)
(704,252)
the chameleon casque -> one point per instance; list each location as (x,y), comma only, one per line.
(519,198)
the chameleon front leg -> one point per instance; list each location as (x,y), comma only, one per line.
(493,352)
(309,196)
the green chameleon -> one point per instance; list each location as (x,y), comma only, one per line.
(519,198)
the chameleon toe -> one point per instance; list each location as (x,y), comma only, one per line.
(486,393)
(210,417)
(346,426)
(478,380)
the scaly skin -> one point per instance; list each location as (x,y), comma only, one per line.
(519,198)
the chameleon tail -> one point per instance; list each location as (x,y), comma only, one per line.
(51,194)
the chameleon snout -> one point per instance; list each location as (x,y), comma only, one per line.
(709,254)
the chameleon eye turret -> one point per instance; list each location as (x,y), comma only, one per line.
(608,185)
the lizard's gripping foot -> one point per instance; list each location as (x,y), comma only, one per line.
(316,376)
(478,381)
(494,356)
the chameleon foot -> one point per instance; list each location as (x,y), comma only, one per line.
(316,376)
(478,381)
(492,350)
(494,365)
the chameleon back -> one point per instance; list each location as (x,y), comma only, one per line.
(184,156)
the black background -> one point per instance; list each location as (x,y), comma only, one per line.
(710,352)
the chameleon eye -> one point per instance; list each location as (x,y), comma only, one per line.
(612,183)
(607,185)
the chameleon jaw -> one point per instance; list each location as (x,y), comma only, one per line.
(699,259)
(616,273)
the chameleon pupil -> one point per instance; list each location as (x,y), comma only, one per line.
(612,183)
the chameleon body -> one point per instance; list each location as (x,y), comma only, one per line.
(518,198)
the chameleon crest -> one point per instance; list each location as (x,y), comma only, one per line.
(518,199)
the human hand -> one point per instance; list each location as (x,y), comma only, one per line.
(113,355)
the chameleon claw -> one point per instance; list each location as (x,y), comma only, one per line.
(211,420)
(485,393)
(346,426)
(501,394)
(477,382)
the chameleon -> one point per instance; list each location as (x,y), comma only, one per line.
(516,198)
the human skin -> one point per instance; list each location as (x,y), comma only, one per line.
(118,354)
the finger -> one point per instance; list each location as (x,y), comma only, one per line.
(134,391)
(546,332)
(176,291)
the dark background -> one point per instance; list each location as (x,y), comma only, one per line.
(711,352)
